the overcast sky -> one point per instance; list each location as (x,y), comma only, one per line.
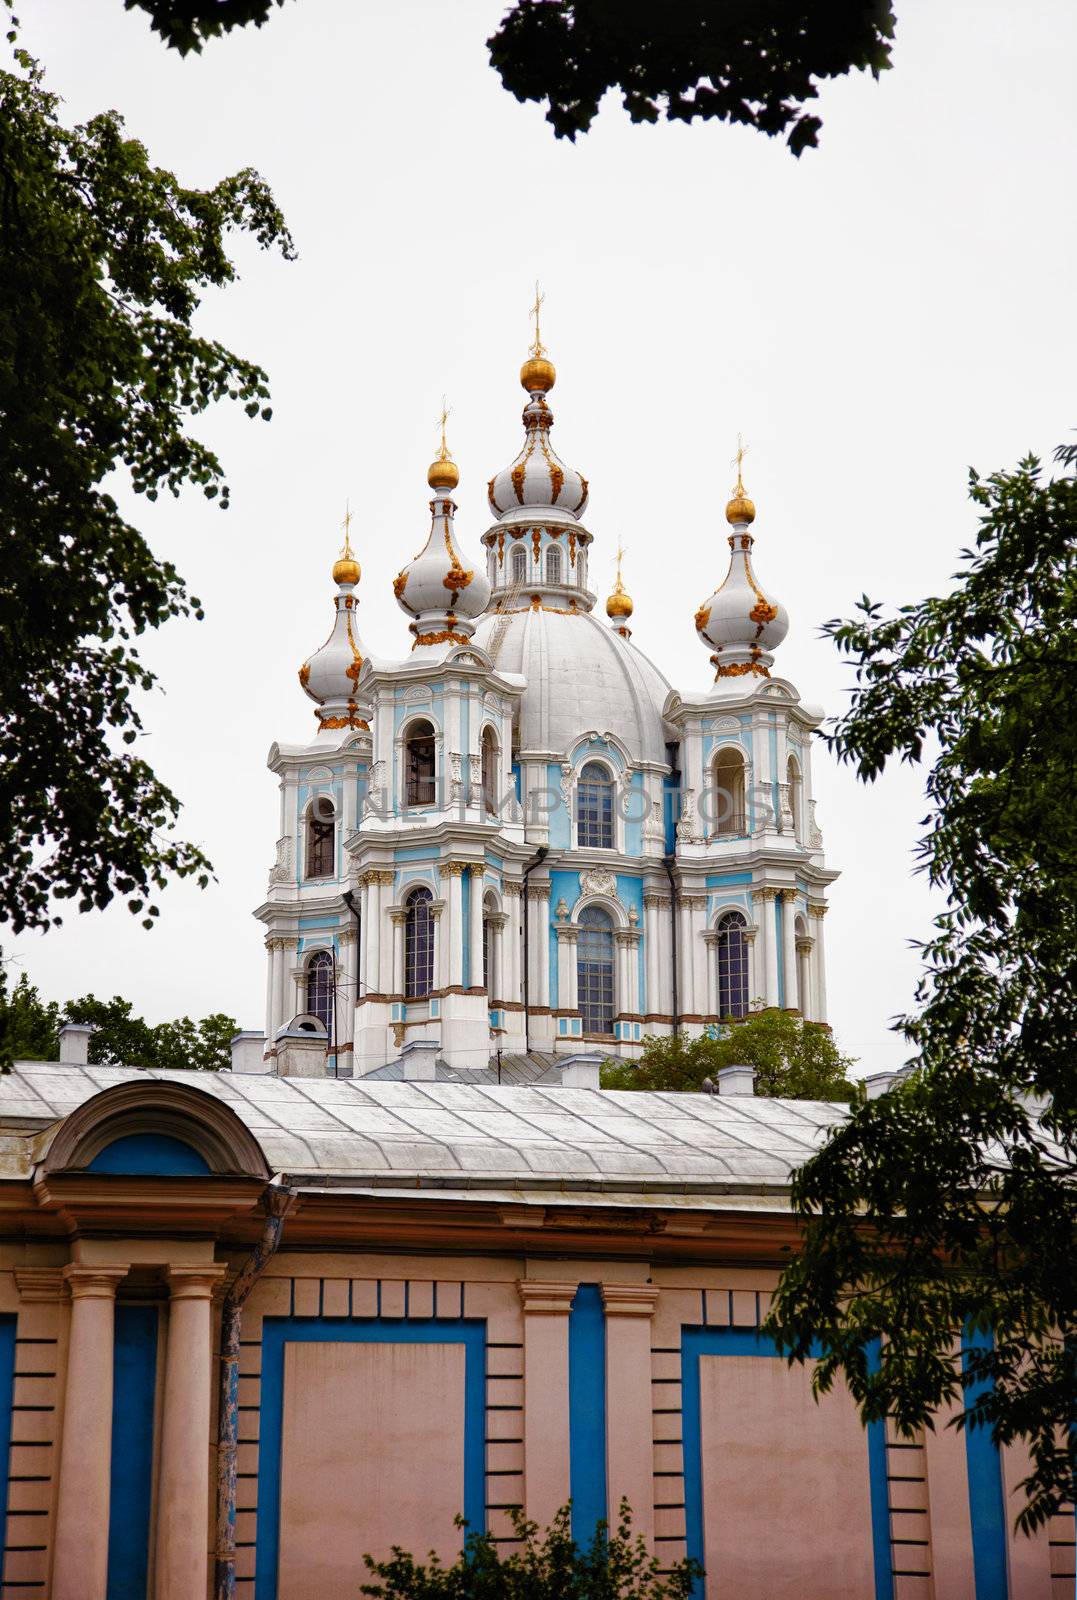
(875,318)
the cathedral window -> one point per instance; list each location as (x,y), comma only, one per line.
(420,764)
(732,965)
(321,839)
(519,564)
(792,778)
(553,565)
(489,769)
(594,809)
(727,807)
(594,970)
(418,945)
(320,988)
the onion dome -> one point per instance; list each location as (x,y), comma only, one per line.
(538,476)
(619,605)
(331,676)
(740,623)
(443,596)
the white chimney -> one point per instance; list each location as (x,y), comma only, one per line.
(420,1060)
(302,1050)
(75,1043)
(581,1071)
(249,1052)
(736,1080)
(877,1083)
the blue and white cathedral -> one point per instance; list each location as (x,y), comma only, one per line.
(518,838)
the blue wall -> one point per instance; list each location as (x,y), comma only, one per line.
(134,1383)
(587,1411)
(156,1154)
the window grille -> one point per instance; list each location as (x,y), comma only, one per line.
(420,765)
(594,808)
(321,842)
(418,945)
(594,970)
(320,988)
(732,966)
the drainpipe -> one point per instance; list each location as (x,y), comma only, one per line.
(277,1200)
(536,861)
(667,862)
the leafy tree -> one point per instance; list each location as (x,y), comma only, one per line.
(104,259)
(552,1567)
(30,1031)
(792,1058)
(755,62)
(946,1212)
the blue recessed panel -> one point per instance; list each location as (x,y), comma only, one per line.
(150,1155)
(7,1391)
(987,1511)
(587,1411)
(277,1332)
(134,1384)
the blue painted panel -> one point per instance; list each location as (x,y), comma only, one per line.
(134,1384)
(465,906)
(635,806)
(587,1411)
(772,737)
(280,1331)
(779,934)
(423,852)
(7,1390)
(696,1342)
(987,1511)
(150,1154)
(553,806)
(880,1497)
(721,880)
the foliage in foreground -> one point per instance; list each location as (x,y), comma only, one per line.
(30,1031)
(965,1175)
(793,1059)
(104,259)
(549,1566)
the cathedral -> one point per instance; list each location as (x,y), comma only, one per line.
(407,1261)
(518,839)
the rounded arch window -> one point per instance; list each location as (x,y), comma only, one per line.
(594,970)
(418,945)
(792,778)
(519,564)
(489,769)
(420,764)
(553,565)
(732,965)
(320,988)
(729,810)
(321,838)
(594,808)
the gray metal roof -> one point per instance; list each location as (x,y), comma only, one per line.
(478,1139)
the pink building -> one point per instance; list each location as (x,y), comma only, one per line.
(481,1295)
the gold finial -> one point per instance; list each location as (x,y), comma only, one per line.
(538,373)
(739,507)
(619,605)
(443,472)
(537,346)
(347,569)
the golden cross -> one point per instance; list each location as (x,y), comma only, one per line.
(446,411)
(537,346)
(620,558)
(347,526)
(738,462)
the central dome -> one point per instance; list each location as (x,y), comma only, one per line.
(580,675)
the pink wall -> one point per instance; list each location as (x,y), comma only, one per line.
(786,1506)
(372,1456)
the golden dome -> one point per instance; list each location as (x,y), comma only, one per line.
(619,604)
(346,570)
(740,508)
(538,372)
(443,473)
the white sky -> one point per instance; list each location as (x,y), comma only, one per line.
(874,318)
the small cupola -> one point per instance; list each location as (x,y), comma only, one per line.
(331,676)
(741,624)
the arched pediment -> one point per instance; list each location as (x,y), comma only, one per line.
(152,1109)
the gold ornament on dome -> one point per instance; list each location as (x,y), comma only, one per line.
(538,373)
(304,674)
(703,616)
(347,569)
(740,508)
(400,583)
(443,473)
(619,603)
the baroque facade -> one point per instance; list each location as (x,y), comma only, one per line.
(518,837)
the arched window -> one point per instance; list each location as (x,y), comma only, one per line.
(728,805)
(594,808)
(594,970)
(418,945)
(519,564)
(489,769)
(321,838)
(420,762)
(732,966)
(320,988)
(553,565)
(792,778)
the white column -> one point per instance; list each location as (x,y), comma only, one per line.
(699,949)
(710,941)
(753,969)
(789,946)
(511,948)
(765,901)
(651,914)
(631,1001)
(819,962)
(271,986)
(685,961)
(398,920)
(539,940)
(288,1000)
(476,926)
(805,999)
(441,946)
(456,923)
(385,932)
(364,936)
